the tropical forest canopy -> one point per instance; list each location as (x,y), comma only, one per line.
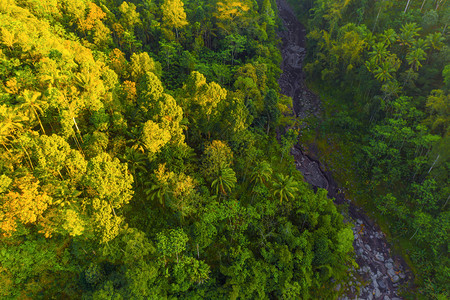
(144,154)
(144,146)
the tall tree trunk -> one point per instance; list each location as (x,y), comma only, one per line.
(378,15)
(407,5)
(39,119)
(445,204)
(423,3)
(414,234)
(28,155)
(439,2)
(434,164)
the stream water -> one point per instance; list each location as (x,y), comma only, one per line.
(381,274)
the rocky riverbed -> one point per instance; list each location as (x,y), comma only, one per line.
(381,274)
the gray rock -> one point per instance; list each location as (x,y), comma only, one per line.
(374,282)
(368,247)
(377,293)
(386,298)
(402,276)
(370,296)
(337,288)
(388,265)
(379,256)
(382,284)
(391,272)
(395,279)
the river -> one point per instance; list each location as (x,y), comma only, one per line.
(381,274)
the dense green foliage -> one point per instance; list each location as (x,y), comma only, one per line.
(139,157)
(383,67)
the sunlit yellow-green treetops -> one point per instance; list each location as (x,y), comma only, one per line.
(139,156)
(174,15)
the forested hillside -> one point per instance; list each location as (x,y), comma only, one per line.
(383,71)
(144,153)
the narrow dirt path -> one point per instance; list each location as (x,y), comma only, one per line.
(380,274)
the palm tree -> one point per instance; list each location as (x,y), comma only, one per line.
(408,33)
(159,191)
(388,37)
(136,163)
(391,88)
(285,187)
(378,53)
(10,122)
(83,80)
(8,38)
(436,40)
(261,173)
(32,105)
(383,72)
(422,44)
(134,139)
(414,58)
(161,185)
(225,180)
